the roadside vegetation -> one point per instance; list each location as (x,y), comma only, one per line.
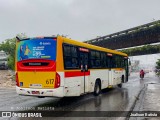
(158,67)
(9,46)
(146,49)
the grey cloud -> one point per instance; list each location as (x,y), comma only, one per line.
(80,19)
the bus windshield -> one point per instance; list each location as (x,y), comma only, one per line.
(36,49)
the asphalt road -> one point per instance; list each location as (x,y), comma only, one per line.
(117,99)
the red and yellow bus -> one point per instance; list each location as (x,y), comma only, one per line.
(60,67)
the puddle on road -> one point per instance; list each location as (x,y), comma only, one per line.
(110,100)
(113,99)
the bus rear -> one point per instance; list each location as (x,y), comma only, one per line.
(36,67)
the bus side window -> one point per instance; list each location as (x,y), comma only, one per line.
(103,60)
(95,59)
(92,59)
(68,63)
(74,63)
(118,61)
(107,61)
(70,55)
(113,62)
(66,50)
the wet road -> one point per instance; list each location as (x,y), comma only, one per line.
(117,99)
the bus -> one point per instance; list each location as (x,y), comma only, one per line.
(60,67)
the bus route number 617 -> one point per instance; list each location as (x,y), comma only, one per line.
(49,81)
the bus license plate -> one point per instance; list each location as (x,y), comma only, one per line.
(35,92)
(35,85)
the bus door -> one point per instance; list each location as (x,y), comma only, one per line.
(84,69)
(110,66)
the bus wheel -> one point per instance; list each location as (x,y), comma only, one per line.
(120,85)
(122,79)
(41,97)
(97,88)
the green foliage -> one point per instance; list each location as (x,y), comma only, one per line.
(158,64)
(9,46)
(11,62)
(146,49)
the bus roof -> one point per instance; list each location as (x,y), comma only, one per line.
(82,44)
(40,37)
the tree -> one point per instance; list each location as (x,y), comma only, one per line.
(158,64)
(9,46)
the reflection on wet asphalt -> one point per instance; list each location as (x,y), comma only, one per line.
(117,99)
(107,101)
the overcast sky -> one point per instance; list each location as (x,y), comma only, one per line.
(79,19)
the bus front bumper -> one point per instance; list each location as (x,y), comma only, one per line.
(56,92)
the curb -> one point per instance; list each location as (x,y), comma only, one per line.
(138,100)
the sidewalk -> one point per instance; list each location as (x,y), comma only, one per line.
(7,79)
(151,98)
(148,100)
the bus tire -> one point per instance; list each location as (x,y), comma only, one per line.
(120,85)
(122,79)
(97,88)
(41,97)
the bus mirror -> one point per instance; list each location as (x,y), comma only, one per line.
(129,61)
(81,68)
(86,67)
